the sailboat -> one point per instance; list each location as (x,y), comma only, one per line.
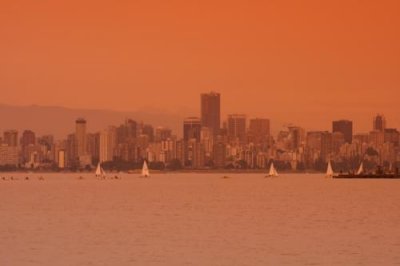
(145,170)
(361,169)
(100,171)
(272,171)
(329,171)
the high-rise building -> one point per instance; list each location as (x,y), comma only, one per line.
(207,139)
(28,138)
(127,132)
(391,135)
(10,138)
(192,129)
(219,154)
(376,138)
(296,137)
(8,155)
(194,154)
(70,150)
(259,129)
(211,111)
(162,134)
(61,159)
(379,123)
(80,137)
(149,131)
(237,127)
(108,144)
(319,145)
(337,141)
(345,127)
(93,145)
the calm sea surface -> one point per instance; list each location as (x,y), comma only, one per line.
(199,219)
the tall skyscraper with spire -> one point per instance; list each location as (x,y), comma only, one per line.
(211,111)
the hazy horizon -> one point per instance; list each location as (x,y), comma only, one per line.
(36,119)
(288,62)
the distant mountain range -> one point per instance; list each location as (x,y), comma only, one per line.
(60,121)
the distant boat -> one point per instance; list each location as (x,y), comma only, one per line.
(360,169)
(145,170)
(379,173)
(272,171)
(100,171)
(329,171)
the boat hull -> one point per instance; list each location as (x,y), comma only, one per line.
(387,176)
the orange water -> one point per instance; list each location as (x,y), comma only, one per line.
(199,219)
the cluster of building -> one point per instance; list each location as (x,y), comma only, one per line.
(206,143)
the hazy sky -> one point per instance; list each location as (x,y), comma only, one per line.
(305,62)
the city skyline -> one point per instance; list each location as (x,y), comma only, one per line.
(172,119)
(198,132)
(208,141)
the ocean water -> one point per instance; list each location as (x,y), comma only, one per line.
(199,219)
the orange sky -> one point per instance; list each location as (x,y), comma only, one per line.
(305,62)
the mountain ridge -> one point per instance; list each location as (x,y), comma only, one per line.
(60,121)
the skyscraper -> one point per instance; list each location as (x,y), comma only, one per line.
(259,129)
(108,143)
(149,131)
(379,123)
(391,135)
(345,127)
(237,127)
(192,129)
(127,132)
(11,138)
(318,145)
(80,137)
(28,138)
(296,137)
(211,111)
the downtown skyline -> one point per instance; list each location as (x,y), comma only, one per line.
(208,141)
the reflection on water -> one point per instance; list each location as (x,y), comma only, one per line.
(199,219)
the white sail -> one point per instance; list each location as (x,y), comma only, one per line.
(361,169)
(145,170)
(329,171)
(272,170)
(98,170)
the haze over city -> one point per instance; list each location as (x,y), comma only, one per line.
(305,63)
